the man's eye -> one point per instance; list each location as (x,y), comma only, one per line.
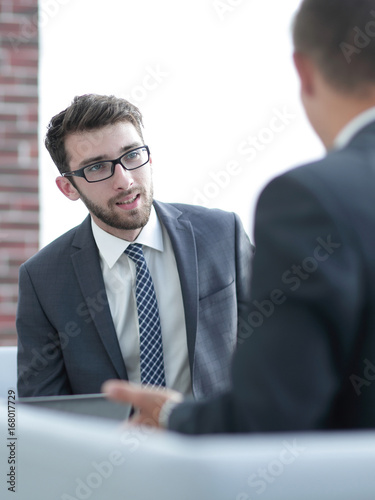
(132,156)
(96,168)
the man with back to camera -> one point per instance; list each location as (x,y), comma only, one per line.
(144,291)
(309,360)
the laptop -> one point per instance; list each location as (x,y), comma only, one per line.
(94,405)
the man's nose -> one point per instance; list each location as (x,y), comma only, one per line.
(122,178)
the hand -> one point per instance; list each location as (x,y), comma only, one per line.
(147,400)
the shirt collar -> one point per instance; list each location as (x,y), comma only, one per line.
(111,248)
(353,127)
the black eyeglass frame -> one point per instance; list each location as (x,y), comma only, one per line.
(81,171)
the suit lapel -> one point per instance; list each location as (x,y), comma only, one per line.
(87,267)
(182,238)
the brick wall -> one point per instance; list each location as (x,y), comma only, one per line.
(19,197)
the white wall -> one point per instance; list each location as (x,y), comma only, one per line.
(210,77)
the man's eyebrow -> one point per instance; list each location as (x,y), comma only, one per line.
(94,159)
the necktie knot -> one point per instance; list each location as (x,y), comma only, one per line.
(135,252)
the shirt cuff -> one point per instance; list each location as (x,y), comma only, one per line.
(166,410)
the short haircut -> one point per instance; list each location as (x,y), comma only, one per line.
(339,35)
(87,112)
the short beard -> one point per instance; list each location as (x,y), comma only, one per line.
(136,219)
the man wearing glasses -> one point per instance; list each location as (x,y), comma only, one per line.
(143,291)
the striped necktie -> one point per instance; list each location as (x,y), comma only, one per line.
(151,347)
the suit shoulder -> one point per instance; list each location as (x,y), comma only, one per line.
(346,164)
(54,251)
(341,183)
(203,213)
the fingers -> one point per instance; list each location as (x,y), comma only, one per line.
(142,397)
(122,391)
(147,400)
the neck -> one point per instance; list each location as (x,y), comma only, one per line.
(341,109)
(123,234)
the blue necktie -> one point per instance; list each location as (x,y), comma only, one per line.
(151,347)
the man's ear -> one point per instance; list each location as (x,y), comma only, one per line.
(306,72)
(67,188)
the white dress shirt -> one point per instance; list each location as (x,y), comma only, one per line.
(353,127)
(119,273)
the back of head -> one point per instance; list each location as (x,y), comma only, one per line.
(339,36)
(87,112)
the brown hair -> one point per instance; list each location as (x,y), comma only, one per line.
(87,112)
(339,35)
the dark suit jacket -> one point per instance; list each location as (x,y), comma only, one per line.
(67,340)
(307,359)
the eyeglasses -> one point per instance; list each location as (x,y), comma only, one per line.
(103,170)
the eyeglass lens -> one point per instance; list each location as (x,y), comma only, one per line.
(103,170)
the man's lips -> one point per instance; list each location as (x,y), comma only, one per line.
(129,203)
(129,200)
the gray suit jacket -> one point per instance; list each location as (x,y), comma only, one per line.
(67,340)
(307,358)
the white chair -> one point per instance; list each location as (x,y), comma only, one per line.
(8,370)
(69,457)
